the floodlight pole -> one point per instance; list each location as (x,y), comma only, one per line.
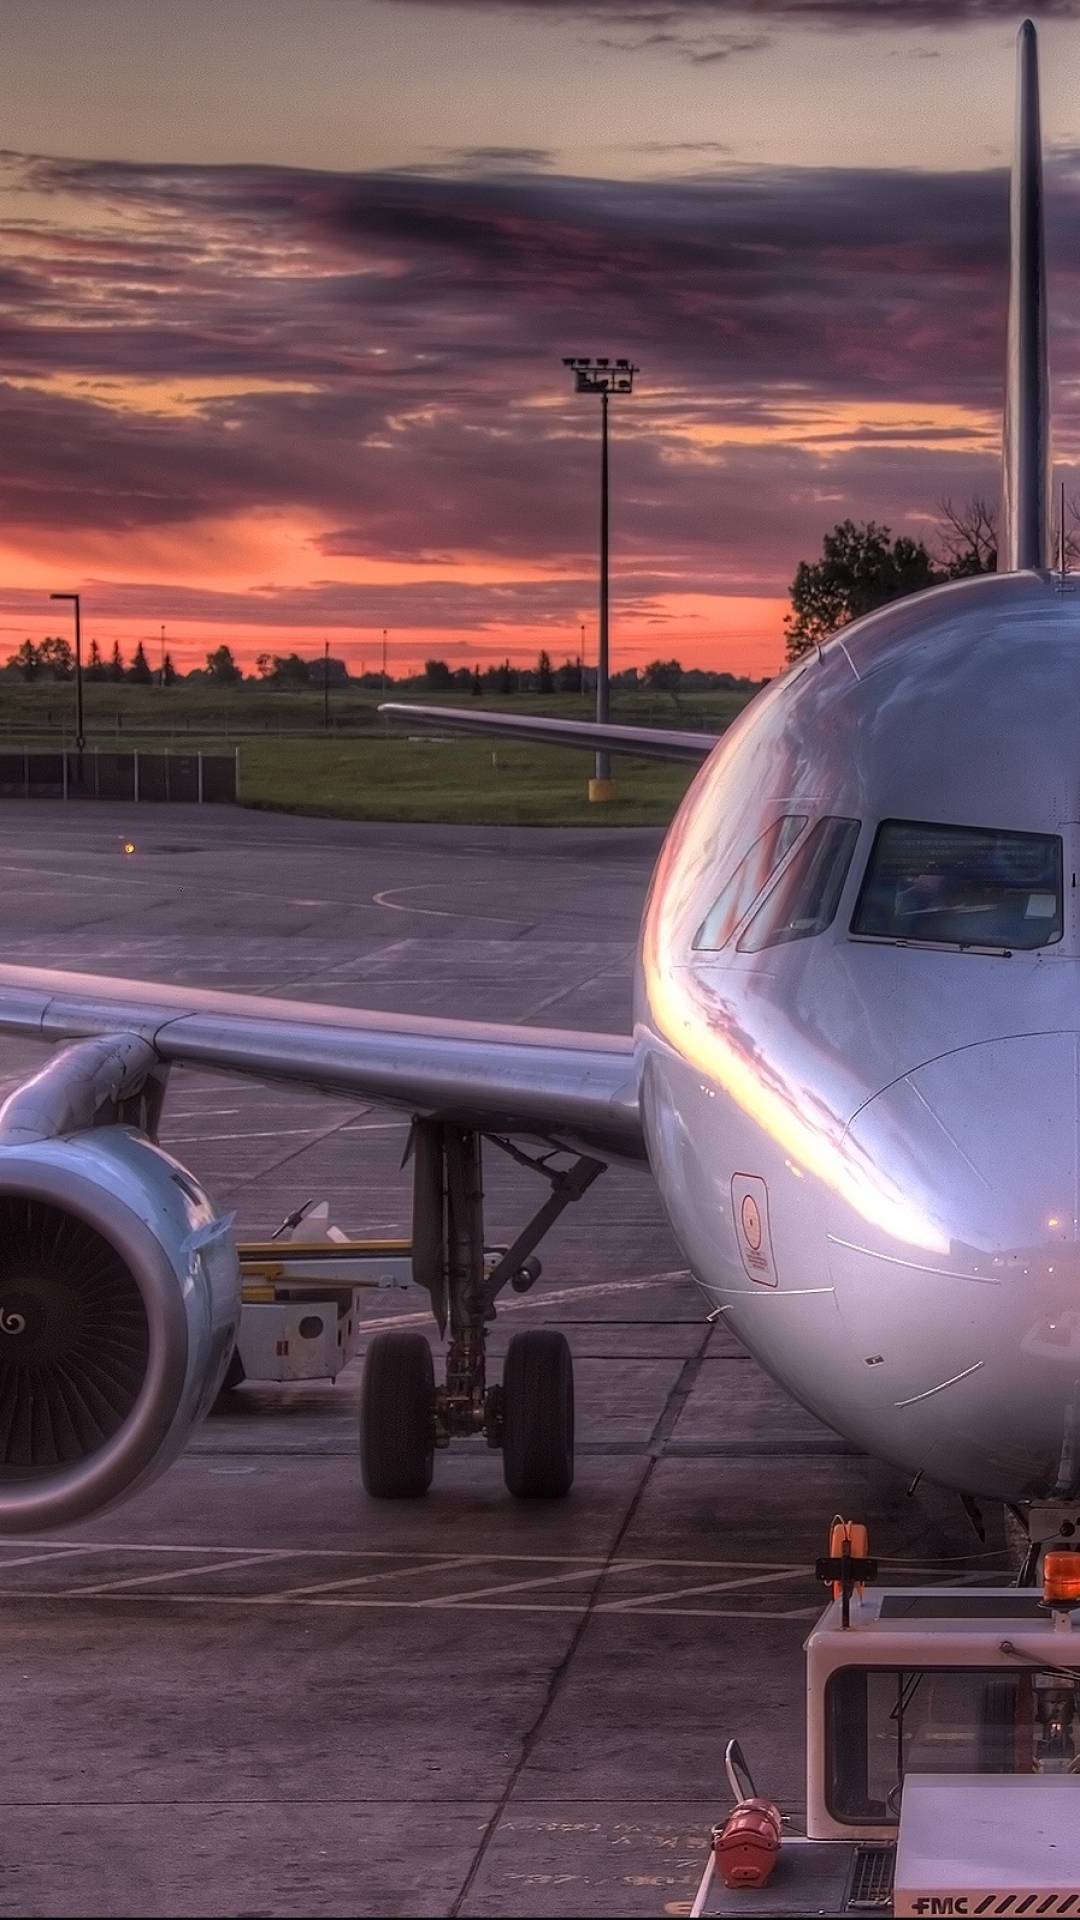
(603,682)
(80,731)
(604,377)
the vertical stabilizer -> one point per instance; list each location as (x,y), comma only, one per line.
(1026,448)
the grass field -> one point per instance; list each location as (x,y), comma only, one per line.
(363,770)
(490,783)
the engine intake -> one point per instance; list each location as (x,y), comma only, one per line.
(74,1337)
(119,1302)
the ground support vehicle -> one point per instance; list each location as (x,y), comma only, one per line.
(943,1759)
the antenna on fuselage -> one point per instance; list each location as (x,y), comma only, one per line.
(1026,440)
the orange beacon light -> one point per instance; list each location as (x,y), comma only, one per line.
(1061,1579)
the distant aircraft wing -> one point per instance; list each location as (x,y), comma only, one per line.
(580,1089)
(651,743)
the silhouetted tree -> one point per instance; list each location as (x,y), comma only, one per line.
(504,678)
(290,670)
(116,664)
(26,660)
(139,671)
(168,671)
(862,567)
(222,668)
(545,679)
(56,659)
(663,675)
(437,676)
(95,665)
(967,538)
(568,677)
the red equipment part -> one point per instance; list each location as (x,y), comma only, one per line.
(748,1846)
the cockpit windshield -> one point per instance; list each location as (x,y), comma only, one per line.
(961,887)
(750,876)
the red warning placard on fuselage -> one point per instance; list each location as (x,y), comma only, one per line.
(750,1212)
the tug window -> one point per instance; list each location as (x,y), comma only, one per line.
(883,1723)
(751,874)
(961,887)
(806,895)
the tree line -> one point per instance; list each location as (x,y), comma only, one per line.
(659,676)
(54,659)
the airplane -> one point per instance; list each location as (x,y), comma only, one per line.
(854,1075)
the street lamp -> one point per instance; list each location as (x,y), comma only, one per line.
(80,733)
(604,377)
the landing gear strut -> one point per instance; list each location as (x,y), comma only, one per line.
(530,1416)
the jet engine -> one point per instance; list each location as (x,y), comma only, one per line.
(119,1292)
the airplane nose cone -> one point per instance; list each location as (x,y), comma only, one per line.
(965,1338)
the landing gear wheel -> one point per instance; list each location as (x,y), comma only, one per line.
(538,1416)
(397,1417)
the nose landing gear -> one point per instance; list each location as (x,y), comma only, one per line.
(530,1416)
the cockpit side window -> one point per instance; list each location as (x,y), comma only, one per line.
(753,872)
(806,895)
(961,886)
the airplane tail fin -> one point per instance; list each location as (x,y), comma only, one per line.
(1025,518)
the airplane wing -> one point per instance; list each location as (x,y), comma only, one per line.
(650,743)
(577,1089)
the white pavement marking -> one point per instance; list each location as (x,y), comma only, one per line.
(430,913)
(415,1554)
(544,1299)
(527,1586)
(364,1579)
(189,1562)
(390,1603)
(385,899)
(246,1133)
(715,1586)
(410,1567)
(49,1553)
(246,1557)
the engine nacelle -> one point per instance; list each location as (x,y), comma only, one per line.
(119,1303)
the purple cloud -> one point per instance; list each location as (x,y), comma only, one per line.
(382,354)
(851,14)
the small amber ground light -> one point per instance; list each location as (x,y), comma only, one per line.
(1061,1579)
(129,846)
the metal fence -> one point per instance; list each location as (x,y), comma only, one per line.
(30,774)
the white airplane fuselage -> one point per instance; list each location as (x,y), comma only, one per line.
(869,1148)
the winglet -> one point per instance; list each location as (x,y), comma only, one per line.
(1026,442)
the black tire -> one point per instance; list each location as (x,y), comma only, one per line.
(397,1417)
(538,1416)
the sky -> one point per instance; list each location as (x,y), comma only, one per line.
(286,286)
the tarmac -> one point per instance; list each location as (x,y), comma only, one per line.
(253,1691)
